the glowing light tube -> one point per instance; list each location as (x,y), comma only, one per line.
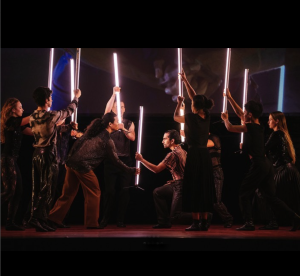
(227,72)
(281,88)
(139,142)
(179,71)
(72,83)
(76,82)
(50,68)
(117,84)
(180,87)
(245,92)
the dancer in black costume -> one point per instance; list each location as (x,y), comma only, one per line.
(13,126)
(280,150)
(261,173)
(198,195)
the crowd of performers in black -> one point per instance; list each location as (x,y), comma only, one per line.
(190,198)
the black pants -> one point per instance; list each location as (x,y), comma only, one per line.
(260,175)
(219,206)
(12,185)
(168,204)
(44,179)
(116,190)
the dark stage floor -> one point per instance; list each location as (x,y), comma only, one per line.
(144,238)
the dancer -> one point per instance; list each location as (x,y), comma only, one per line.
(280,150)
(13,126)
(215,154)
(172,190)
(198,194)
(65,139)
(261,173)
(44,163)
(116,181)
(86,154)
(214,148)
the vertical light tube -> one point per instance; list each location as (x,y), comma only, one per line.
(139,143)
(245,92)
(76,82)
(50,68)
(226,83)
(281,88)
(117,84)
(72,83)
(180,87)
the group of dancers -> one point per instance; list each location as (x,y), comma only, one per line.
(189,198)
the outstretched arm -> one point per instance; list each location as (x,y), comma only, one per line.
(237,109)
(25,121)
(112,155)
(28,131)
(189,88)
(111,101)
(156,169)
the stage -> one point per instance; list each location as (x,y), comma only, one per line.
(144,238)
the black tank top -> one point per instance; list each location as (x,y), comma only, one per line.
(254,143)
(122,143)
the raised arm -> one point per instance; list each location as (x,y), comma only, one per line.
(111,101)
(189,88)
(154,168)
(230,127)
(237,109)
(129,133)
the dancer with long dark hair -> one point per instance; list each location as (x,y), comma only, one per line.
(281,151)
(261,173)
(89,151)
(198,193)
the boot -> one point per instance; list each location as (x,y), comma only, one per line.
(209,219)
(248,226)
(12,226)
(37,225)
(272,225)
(194,227)
(296,223)
(103,224)
(204,225)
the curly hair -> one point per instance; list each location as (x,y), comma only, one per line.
(6,113)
